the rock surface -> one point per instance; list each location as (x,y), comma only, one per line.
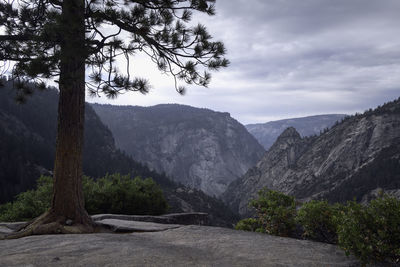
(199,148)
(122,226)
(348,161)
(196,218)
(267,133)
(132,223)
(182,246)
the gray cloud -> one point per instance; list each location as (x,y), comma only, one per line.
(295,58)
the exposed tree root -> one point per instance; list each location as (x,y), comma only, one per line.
(49,223)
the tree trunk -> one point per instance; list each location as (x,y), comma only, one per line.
(67,213)
(68,202)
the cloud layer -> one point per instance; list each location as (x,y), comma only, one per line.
(294,58)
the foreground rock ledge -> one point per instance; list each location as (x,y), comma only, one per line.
(181,246)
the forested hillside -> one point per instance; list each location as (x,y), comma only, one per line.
(27,139)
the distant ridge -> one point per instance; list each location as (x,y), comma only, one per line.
(266,133)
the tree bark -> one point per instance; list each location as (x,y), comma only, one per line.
(67,213)
(68,202)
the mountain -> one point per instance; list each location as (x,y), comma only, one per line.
(199,148)
(352,159)
(267,133)
(27,145)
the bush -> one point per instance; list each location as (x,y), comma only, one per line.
(372,233)
(123,195)
(319,220)
(275,212)
(29,204)
(110,194)
(249,224)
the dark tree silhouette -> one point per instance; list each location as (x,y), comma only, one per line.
(69,40)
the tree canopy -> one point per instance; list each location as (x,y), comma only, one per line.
(33,34)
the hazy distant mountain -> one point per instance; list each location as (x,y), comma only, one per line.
(267,133)
(350,160)
(199,148)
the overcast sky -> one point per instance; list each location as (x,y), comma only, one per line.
(292,58)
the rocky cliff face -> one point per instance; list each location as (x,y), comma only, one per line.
(199,148)
(350,160)
(267,133)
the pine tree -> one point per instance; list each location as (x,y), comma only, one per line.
(69,40)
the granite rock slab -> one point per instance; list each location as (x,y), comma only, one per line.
(182,246)
(117,226)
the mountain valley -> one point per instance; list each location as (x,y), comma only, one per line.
(204,154)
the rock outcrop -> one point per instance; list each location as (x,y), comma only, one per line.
(348,161)
(267,133)
(199,148)
(169,245)
(193,218)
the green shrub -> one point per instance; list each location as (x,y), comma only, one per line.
(372,233)
(319,220)
(275,212)
(123,195)
(29,204)
(110,194)
(249,224)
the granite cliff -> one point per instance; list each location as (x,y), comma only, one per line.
(199,148)
(351,160)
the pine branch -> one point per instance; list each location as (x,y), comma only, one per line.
(24,59)
(20,37)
